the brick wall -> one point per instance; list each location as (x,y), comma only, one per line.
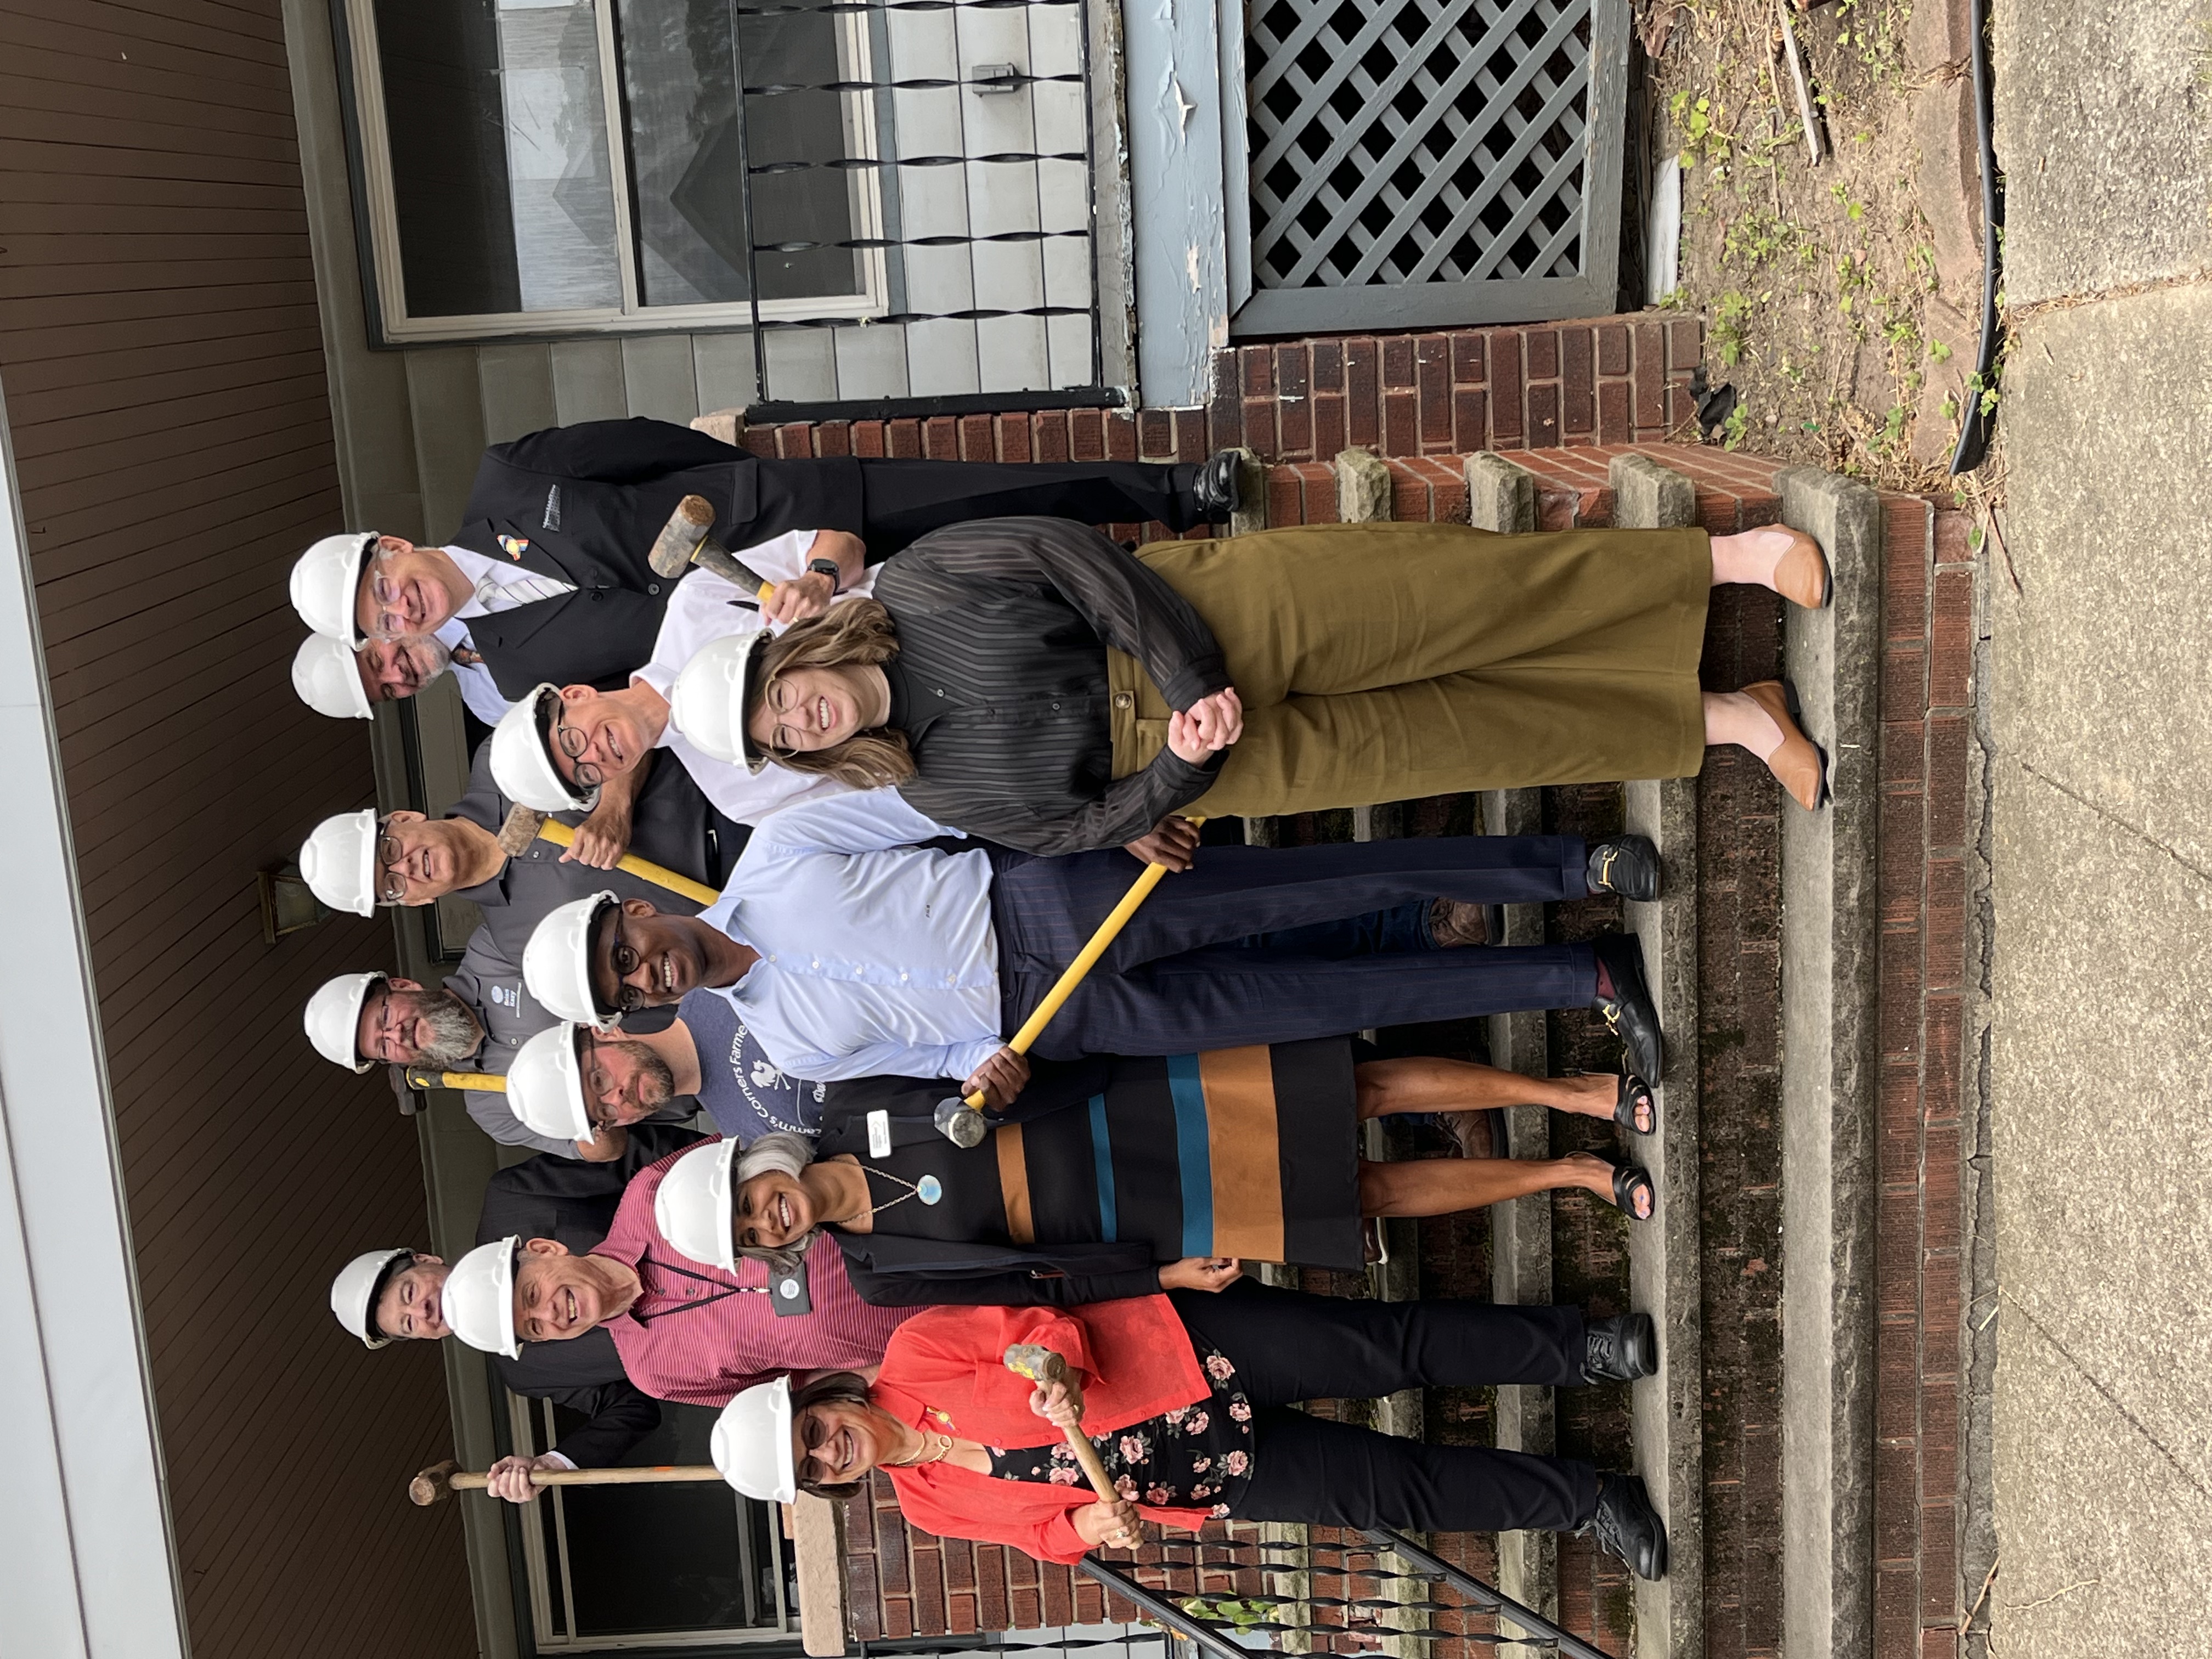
(1614,380)
(1928,593)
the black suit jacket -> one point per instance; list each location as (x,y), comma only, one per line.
(562,1199)
(584,503)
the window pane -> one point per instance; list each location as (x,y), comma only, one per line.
(657,1560)
(687,181)
(497,126)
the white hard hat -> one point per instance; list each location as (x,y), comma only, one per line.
(752,1443)
(556,962)
(339,862)
(328,681)
(334,1018)
(326,581)
(522,758)
(479,1299)
(691,1210)
(353,1292)
(707,702)
(545,1086)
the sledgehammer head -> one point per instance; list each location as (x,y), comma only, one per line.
(521,829)
(959,1122)
(434,1485)
(681,537)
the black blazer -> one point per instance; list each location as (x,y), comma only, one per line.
(563,1199)
(584,503)
(890,1271)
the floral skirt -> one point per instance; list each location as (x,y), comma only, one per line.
(1194,1457)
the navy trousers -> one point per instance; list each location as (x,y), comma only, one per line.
(1178,979)
(905,499)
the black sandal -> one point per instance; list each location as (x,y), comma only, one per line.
(1626,1179)
(1630,1091)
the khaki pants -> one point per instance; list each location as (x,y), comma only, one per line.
(1381,662)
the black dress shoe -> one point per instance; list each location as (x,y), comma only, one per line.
(1628,1528)
(1214,492)
(1625,1003)
(1626,865)
(1620,1349)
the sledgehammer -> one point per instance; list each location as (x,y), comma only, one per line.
(684,541)
(959,1118)
(526,824)
(1044,1368)
(441,1480)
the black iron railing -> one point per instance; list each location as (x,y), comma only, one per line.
(1231,1596)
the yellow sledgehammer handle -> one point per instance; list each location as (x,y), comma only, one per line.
(1085,960)
(644,869)
(482,1081)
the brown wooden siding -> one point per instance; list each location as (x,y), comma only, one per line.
(163,367)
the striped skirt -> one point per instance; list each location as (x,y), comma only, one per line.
(1249,1152)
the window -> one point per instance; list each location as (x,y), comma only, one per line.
(658,1565)
(548,166)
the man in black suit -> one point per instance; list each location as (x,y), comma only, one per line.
(541,1197)
(552,582)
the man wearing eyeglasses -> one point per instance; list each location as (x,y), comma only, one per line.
(356,861)
(475,1022)
(566,747)
(548,578)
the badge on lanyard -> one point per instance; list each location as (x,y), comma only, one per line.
(514,547)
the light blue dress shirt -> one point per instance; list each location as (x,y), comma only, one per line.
(876,956)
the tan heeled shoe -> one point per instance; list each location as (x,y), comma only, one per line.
(1801,575)
(1798,765)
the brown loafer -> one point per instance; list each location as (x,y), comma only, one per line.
(1801,575)
(1454,923)
(1798,765)
(1478,1133)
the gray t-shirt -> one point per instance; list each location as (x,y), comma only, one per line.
(738,1084)
(491,985)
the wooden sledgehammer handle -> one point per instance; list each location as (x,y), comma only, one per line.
(1044,1368)
(525,824)
(435,1483)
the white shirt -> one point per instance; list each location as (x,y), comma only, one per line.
(704,608)
(478,689)
(501,586)
(876,956)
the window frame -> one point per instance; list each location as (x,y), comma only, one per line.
(377,222)
(531,1424)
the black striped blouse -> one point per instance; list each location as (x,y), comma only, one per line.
(1001,681)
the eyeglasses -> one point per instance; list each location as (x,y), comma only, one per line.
(573,741)
(777,698)
(390,856)
(388,620)
(627,997)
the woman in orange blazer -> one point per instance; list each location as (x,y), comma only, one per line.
(1185,1395)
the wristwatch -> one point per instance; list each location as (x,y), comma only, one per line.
(829,568)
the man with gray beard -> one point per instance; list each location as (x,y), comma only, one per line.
(474,1022)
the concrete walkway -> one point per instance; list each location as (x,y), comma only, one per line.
(2101,1071)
